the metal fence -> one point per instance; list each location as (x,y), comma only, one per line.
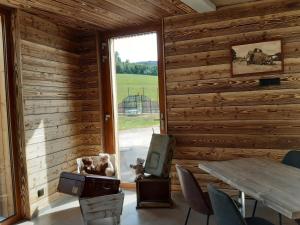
(137,104)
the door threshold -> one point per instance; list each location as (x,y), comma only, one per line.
(128,186)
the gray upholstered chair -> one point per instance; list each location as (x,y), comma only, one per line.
(195,197)
(226,211)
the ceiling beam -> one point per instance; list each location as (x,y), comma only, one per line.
(201,6)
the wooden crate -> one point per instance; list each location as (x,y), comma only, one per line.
(153,192)
(102,207)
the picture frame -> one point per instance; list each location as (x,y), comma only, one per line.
(255,58)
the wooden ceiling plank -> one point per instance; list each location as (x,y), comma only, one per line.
(46,6)
(67,21)
(134,8)
(64,7)
(43,7)
(148,7)
(167,6)
(132,18)
(104,14)
(95,11)
(123,12)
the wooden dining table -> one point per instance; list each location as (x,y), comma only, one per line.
(274,184)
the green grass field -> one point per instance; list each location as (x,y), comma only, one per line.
(140,121)
(136,83)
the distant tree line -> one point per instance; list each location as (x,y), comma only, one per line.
(144,68)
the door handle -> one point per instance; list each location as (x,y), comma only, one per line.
(107,117)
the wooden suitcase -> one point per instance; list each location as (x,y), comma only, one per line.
(160,154)
(87,185)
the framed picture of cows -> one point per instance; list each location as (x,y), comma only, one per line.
(257,58)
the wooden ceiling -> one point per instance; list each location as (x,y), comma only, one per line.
(103,14)
(108,14)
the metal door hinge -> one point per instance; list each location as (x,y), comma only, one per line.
(104,58)
(106,117)
(103,45)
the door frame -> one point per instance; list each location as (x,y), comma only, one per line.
(106,80)
(11,90)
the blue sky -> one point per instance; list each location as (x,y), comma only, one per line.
(137,48)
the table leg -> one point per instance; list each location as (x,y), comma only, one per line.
(242,203)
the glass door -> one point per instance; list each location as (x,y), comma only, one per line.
(137,111)
(133,89)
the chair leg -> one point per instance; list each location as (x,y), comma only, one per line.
(187,217)
(280,219)
(254,209)
(207,220)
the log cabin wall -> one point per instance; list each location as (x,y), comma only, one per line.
(92,128)
(215,116)
(61,102)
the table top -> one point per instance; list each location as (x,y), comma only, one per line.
(274,184)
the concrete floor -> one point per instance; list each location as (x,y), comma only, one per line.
(67,212)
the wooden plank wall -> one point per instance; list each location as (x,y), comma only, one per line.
(91,106)
(215,116)
(61,102)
